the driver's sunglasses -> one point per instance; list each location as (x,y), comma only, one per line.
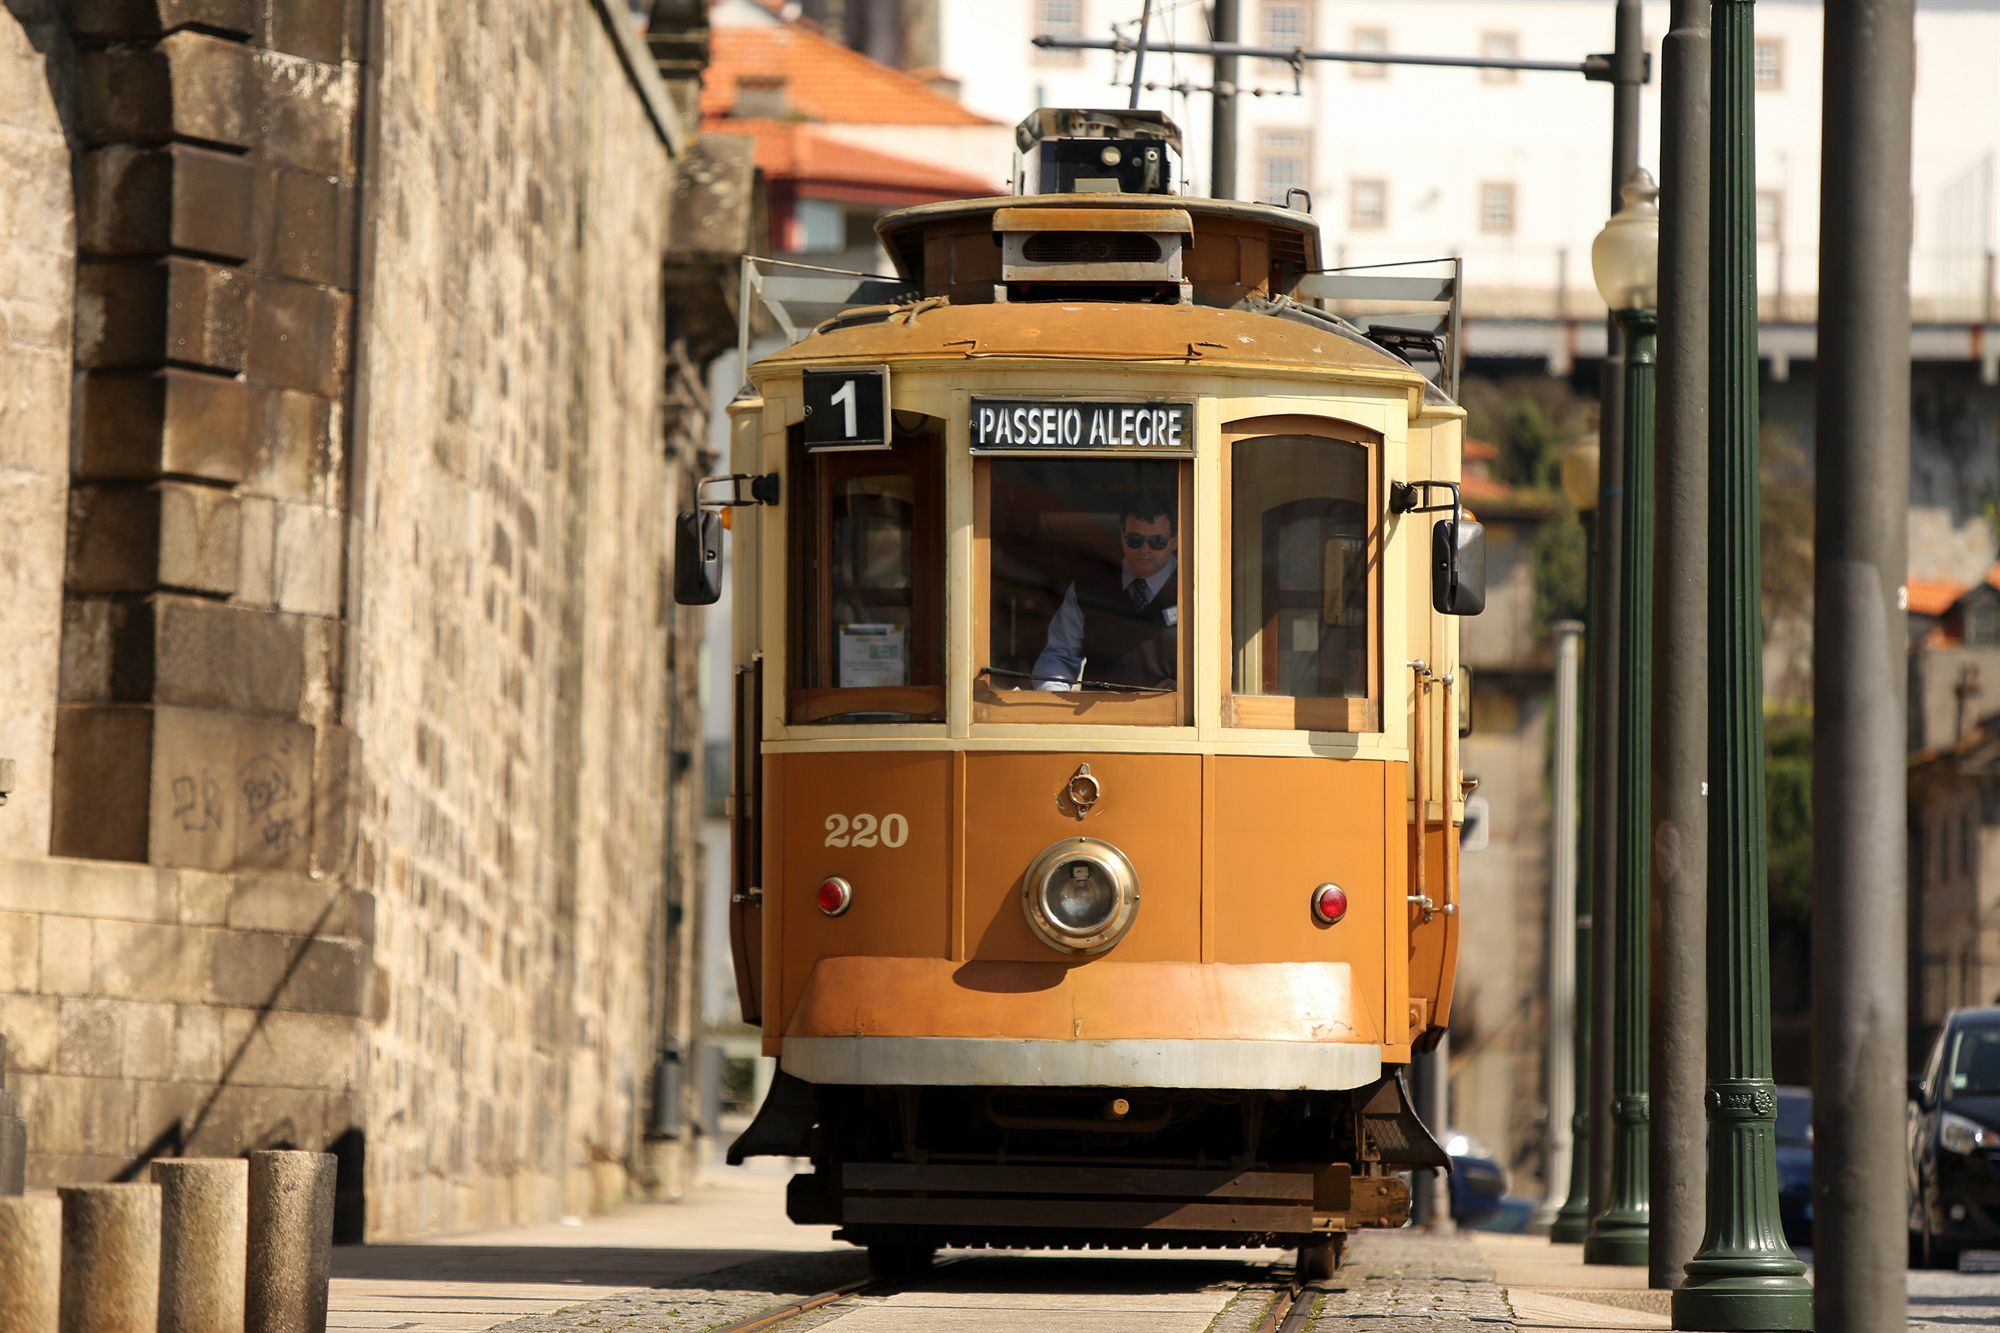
(1134,541)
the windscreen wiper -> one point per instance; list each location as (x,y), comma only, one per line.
(1079,684)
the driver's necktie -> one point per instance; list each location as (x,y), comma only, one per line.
(1139,593)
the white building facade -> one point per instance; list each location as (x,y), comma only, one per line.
(1512,170)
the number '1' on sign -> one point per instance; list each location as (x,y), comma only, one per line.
(847,409)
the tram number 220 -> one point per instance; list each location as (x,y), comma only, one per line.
(866,831)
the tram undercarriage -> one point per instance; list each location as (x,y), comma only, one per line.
(907,1170)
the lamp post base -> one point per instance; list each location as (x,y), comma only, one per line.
(1744,1303)
(1617,1240)
(1570,1228)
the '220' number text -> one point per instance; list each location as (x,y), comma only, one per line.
(866,831)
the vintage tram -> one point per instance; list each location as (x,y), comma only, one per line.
(1095,790)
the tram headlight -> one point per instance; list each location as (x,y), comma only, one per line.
(1080,895)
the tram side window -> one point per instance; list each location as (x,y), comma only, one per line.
(1086,582)
(1301,573)
(867,585)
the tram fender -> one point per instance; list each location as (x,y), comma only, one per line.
(783,1125)
(1395,1130)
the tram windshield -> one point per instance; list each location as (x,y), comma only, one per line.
(1085,581)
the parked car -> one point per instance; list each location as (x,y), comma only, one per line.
(1478,1181)
(1954,1129)
(1795,1161)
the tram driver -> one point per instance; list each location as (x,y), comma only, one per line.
(1117,622)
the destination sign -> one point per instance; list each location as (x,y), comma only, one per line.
(1075,423)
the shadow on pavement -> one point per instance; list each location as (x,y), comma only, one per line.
(583,1265)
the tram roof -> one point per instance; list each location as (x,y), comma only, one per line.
(1294,235)
(1106,331)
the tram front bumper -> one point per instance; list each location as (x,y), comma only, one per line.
(1102,1024)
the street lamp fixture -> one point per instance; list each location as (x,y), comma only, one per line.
(1625,257)
(1625,260)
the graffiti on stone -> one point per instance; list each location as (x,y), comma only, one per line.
(268,801)
(197,803)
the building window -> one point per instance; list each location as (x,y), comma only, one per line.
(1288,26)
(1770,217)
(1769,62)
(1368,205)
(1282,163)
(1058,18)
(1370,41)
(1499,46)
(1496,208)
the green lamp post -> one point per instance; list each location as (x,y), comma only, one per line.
(1744,1276)
(1625,259)
(1572,1221)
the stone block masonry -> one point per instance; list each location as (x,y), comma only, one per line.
(339,413)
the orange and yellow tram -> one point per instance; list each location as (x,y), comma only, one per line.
(1095,794)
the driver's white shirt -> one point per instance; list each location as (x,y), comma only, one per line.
(1061,661)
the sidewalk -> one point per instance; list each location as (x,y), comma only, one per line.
(1550,1287)
(478,1281)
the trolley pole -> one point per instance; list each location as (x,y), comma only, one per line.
(1560,1056)
(1744,1276)
(1222,107)
(1677,1003)
(1859,736)
(1628,63)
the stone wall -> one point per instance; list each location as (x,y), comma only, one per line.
(340,685)
(508,656)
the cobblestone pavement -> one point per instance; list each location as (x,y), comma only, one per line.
(1411,1282)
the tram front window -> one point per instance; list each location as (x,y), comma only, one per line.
(867,588)
(1086,581)
(1301,583)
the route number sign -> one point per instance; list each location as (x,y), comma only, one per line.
(847,409)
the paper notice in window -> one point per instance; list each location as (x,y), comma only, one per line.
(872,655)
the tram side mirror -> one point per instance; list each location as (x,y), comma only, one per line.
(1458,566)
(698,558)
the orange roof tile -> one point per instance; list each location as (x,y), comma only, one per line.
(787,151)
(1478,450)
(823,79)
(1993,575)
(1934,597)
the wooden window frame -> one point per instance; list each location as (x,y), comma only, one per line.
(1286,712)
(814,477)
(1078,707)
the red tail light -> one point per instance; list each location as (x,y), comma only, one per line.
(836,895)
(1329,904)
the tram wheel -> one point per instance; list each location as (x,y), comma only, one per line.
(1318,1260)
(899,1261)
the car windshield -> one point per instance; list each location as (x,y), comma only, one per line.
(1972,1059)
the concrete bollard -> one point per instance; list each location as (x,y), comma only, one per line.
(30,1264)
(110,1259)
(204,1232)
(291,1241)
